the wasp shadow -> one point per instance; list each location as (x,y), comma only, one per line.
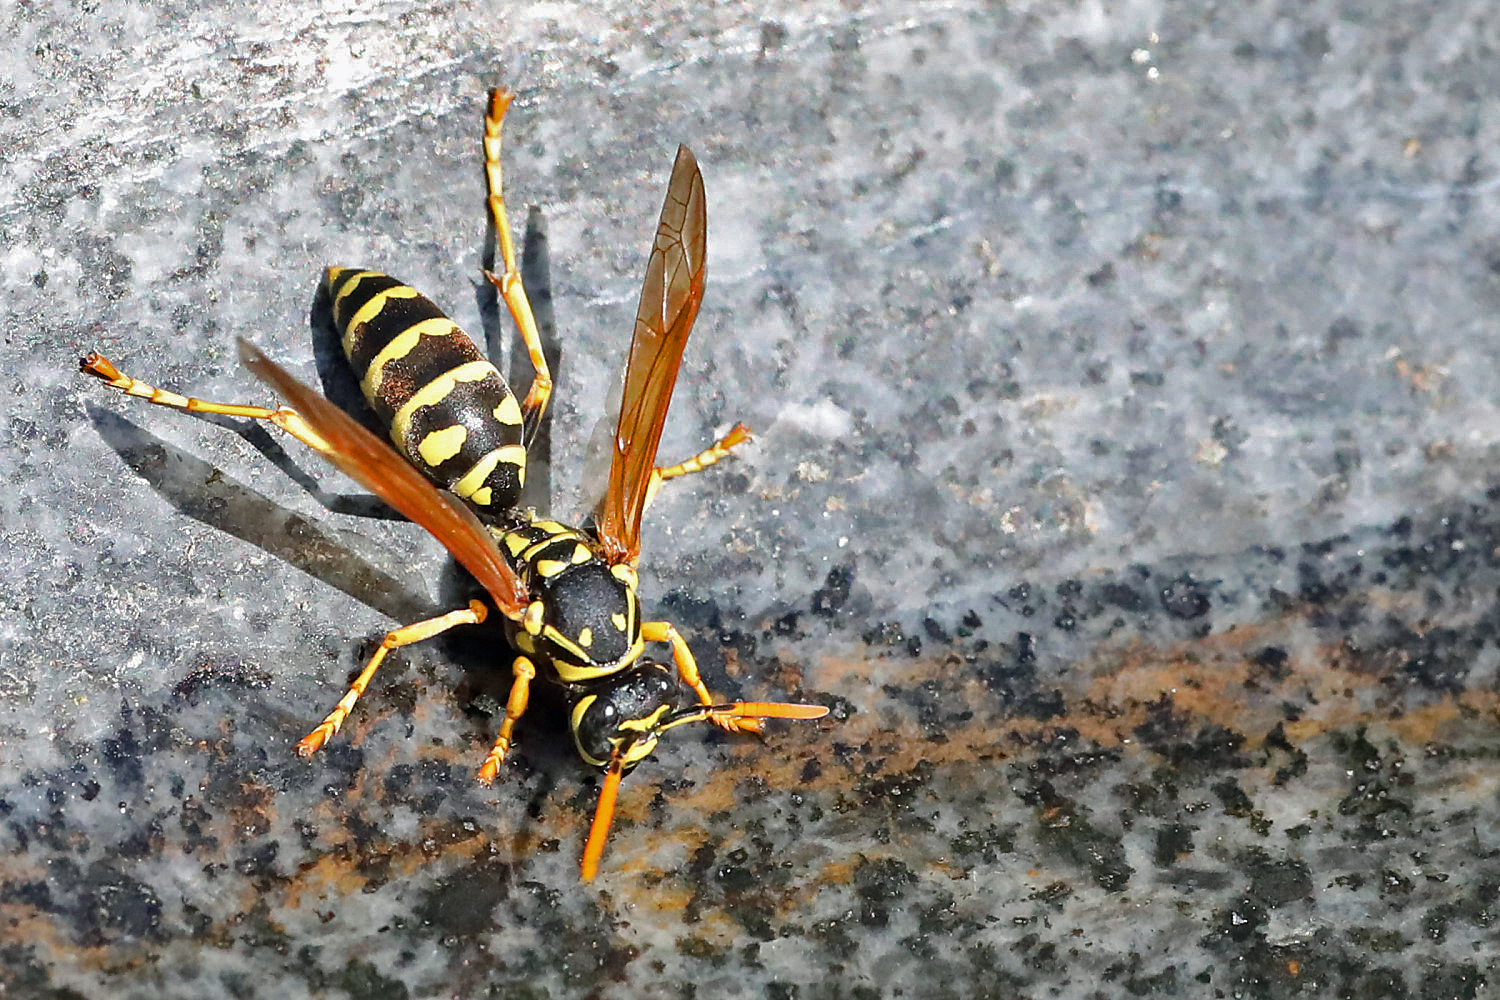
(336,378)
(209,495)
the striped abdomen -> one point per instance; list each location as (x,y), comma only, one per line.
(450,412)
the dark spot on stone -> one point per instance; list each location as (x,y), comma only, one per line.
(1186,743)
(1173,841)
(896,791)
(1063,826)
(1273,662)
(878,884)
(786,624)
(258,862)
(362,981)
(104,903)
(1105,275)
(122,752)
(1314,42)
(1124,597)
(1185,598)
(885,634)
(772,36)
(829,599)
(464,903)
(987,844)
(1275,883)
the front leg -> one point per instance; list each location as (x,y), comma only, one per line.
(404,636)
(515,707)
(687,669)
(714,453)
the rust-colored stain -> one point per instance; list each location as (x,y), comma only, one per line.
(673,815)
(1107,697)
(1111,692)
(253,812)
(328,874)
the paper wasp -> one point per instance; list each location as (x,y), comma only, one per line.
(567,595)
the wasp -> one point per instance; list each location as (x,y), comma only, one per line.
(566,595)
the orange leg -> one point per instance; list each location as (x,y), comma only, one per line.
(284,417)
(405,636)
(508,281)
(515,707)
(714,453)
(687,669)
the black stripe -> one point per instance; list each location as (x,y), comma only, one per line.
(413,371)
(400,378)
(558,551)
(473,405)
(369,285)
(505,488)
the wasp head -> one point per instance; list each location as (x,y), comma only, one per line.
(623,715)
(617,720)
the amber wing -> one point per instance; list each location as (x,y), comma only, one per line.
(669,304)
(375,465)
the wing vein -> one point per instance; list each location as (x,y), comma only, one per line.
(670,297)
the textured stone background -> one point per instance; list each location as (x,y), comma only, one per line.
(1123,378)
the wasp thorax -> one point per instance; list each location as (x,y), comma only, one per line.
(622,714)
(590,614)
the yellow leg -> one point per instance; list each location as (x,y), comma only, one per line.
(716,452)
(508,281)
(405,636)
(284,417)
(687,669)
(515,707)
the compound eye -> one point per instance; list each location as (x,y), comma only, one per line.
(596,721)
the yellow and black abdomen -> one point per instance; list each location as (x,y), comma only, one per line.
(449,411)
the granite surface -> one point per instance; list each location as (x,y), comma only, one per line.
(1125,475)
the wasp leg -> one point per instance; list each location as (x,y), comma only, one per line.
(405,636)
(714,453)
(515,707)
(508,281)
(687,669)
(284,417)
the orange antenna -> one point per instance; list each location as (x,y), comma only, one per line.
(604,814)
(770,710)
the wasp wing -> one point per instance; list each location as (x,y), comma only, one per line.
(375,465)
(669,303)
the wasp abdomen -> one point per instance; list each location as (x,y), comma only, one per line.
(450,413)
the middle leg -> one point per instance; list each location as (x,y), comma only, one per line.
(515,707)
(713,454)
